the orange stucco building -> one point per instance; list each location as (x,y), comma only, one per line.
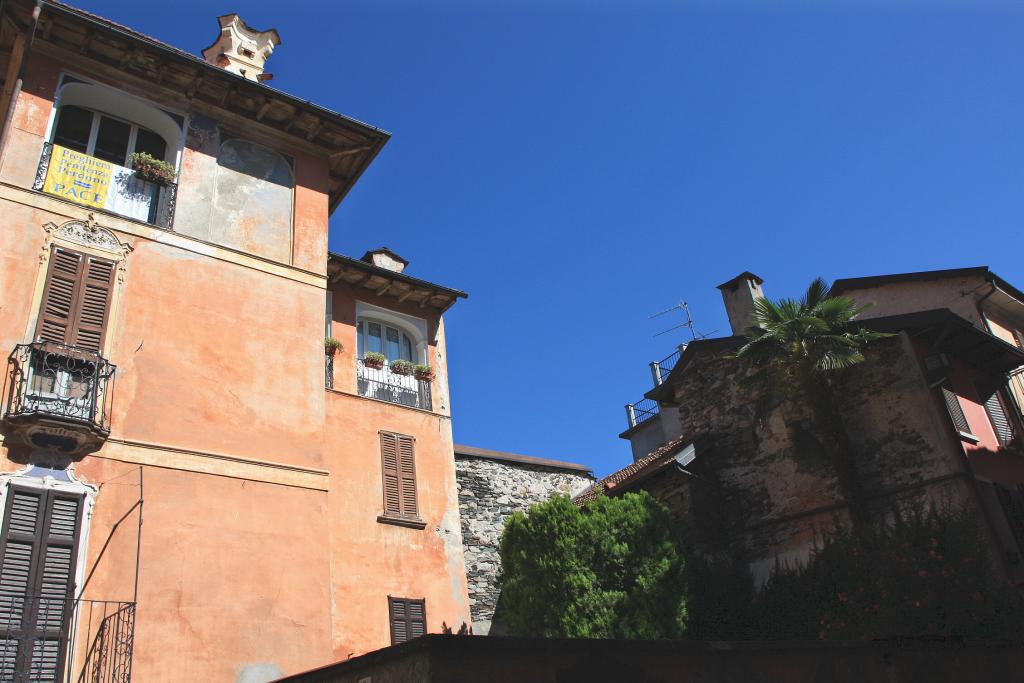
(191,488)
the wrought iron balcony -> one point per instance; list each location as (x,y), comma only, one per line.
(60,640)
(57,397)
(384,385)
(99,184)
(640,412)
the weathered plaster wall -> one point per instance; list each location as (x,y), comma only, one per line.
(490,491)
(372,560)
(957,294)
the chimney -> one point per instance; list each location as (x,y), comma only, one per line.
(385,258)
(739,294)
(242,49)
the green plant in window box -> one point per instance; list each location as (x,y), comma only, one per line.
(148,167)
(401,367)
(423,373)
(372,359)
(332,346)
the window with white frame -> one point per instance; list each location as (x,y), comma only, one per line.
(377,336)
(105,137)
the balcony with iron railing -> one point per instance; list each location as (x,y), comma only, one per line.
(57,397)
(384,385)
(64,640)
(86,180)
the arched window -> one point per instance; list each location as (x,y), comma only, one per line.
(110,125)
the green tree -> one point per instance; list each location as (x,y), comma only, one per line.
(612,569)
(806,343)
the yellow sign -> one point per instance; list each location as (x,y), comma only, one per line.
(79,177)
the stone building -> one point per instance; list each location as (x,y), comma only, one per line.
(493,485)
(932,415)
(164,277)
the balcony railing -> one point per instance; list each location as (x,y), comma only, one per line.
(1015,384)
(92,182)
(640,412)
(62,385)
(384,385)
(60,640)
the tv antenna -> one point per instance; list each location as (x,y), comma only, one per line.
(684,308)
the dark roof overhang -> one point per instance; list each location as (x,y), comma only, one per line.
(846,284)
(176,76)
(362,275)
(474,452)
(942,331)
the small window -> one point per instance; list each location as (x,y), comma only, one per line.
(398,465)
(408,618)
(999,418)
(956,411)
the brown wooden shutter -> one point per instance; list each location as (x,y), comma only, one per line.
(389,464)
(37,571)
(57,311)
(76,299)
(956,411)
(408,619)
(407,473)
(94,303)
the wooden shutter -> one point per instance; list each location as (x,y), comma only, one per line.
(57,311)
(1000,420)
(408,619)
(407,473)
(76,299)
(398,462)
(956,411)
(37,571)
(94,303)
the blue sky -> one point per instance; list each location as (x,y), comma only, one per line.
(577,166)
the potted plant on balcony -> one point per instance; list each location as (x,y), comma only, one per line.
(148,167)
(423,373)
(401,367)
(372,359)
(332,346)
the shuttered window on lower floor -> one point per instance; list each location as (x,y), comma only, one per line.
(956,411)
(398,462)
(1000,418)
(76,299)
(408,618)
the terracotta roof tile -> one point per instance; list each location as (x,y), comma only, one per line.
(656,457)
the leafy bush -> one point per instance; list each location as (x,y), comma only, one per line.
(372,359)
(925,573)
(332,346)
(610,570)
(423,372)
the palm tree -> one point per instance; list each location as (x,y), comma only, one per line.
(805,344)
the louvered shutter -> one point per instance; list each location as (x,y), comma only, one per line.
(407,475)
(93,303)
(408,619)
(956,411)
(40,545)
(1000,420)
(389,465)
(57,311)
(76,299)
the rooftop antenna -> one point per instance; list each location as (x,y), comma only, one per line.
(660,369)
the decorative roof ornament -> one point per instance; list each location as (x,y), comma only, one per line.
(242,49)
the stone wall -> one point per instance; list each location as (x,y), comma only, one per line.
(490,491)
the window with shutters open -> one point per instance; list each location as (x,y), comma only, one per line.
(408,618)
(1000,419)
(398,466)
(76,300)
(956,411)
(38,557)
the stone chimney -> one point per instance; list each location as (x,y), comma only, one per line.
(739,294)
(385,258)
(242,49)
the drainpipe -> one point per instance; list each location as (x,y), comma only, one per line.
(16,92)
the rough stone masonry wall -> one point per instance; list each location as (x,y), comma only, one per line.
(490,491)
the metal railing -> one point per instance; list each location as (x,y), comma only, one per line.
(660,369)
(641,411)
(329,371)
(135,197)
(57,380)
(61,640)
(384,385)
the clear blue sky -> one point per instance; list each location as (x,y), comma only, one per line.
(578,165)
